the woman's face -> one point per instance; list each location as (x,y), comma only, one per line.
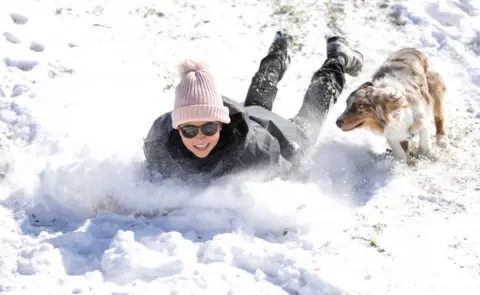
(200,137)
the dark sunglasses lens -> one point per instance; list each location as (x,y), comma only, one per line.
(210,129)
(189,131)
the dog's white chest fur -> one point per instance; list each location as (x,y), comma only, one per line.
(397,127)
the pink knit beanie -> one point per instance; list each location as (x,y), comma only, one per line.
(196,96)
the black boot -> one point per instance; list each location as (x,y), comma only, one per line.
(337,47)
(279,50)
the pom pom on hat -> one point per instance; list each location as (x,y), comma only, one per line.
(189,65)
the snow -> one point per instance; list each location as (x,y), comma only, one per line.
(81,82)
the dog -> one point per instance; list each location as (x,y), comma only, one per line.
(399,102)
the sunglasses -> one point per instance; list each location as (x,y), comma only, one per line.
(208,129)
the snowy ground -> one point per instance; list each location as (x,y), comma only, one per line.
(81,82)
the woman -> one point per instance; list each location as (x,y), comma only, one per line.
(208,135)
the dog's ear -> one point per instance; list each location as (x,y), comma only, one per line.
(381,116)
(366,84)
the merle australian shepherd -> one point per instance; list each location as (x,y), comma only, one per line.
(399,102)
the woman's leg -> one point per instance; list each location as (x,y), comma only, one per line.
(263,88)
(326,85)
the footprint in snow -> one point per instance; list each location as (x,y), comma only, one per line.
(18,18)
(24,65)
(36,46)
(11,38)
(18,90)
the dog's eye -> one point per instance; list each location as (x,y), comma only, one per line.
(360,106)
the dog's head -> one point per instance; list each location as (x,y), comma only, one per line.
(370,107)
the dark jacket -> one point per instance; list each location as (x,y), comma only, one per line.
(255,138)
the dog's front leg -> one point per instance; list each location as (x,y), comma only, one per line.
(418,114)
(417,125)
(397,150)
(424,142)
(420,126)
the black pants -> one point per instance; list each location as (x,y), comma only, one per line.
(322,93)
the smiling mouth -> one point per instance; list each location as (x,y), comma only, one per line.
(202,147)
(355,126)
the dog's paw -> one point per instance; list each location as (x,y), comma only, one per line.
(442,141)
(411,161)
(424,154)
